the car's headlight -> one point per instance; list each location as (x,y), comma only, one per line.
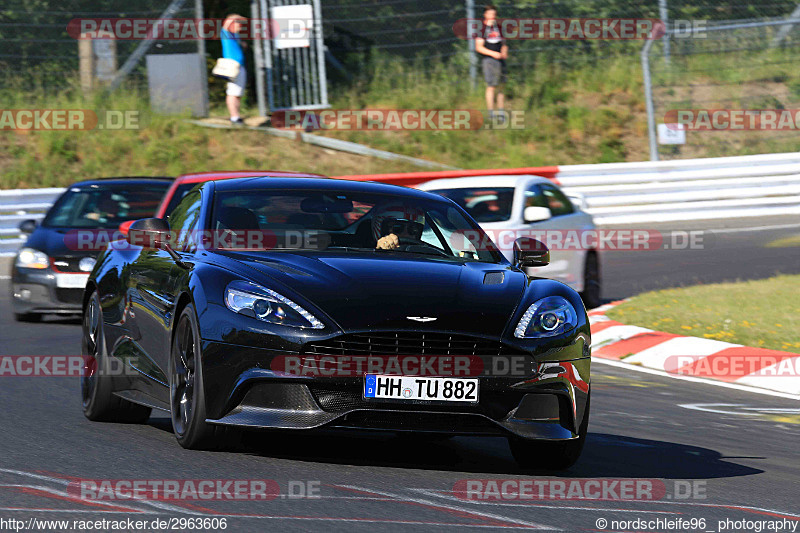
(547,317)
(30,258)
(264,304)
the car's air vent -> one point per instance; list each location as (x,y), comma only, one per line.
(494,278)
(420,421)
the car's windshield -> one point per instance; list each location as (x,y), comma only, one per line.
(485,204)
(105,206)
(348,221)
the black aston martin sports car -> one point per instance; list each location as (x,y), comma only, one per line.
(303,303)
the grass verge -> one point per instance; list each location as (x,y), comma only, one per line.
(763,313)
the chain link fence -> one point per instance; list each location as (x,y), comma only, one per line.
(37,50)
(745,67)
(748,66)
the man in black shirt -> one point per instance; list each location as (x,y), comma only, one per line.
(494,53)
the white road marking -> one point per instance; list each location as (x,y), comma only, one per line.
(156,504)
(440,494)
(757,228)
(714,408)
(735,386)
(66,495)
(458,508)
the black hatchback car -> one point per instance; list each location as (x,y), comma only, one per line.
(306,303)
(50,271)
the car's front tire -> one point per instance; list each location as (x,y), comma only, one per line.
(591,281)
(532,454)
(187,397)
(99,402)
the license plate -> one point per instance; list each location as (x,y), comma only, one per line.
(71,281)
(421,388)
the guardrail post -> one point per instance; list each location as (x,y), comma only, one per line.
(473,59)
(648,96)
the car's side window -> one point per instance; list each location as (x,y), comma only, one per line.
(534,198)
(557,201)
(183,221)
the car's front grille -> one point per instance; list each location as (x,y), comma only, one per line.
(66,264)
(69,296)
(409,343)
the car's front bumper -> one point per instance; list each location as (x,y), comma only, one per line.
(547,404)
(36,291)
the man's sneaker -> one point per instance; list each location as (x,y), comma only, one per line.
(501,116)
(237,121)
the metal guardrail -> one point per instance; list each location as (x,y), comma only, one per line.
(665,191)
(19,205)
(686,190)
(615,193)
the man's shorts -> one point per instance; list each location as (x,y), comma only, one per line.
(236,87)
(494,71)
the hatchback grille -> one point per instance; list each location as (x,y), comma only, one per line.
(67,264)
(409,343)
(69,296)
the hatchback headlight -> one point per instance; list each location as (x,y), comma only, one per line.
(264,304)
(547,317)
(30,258)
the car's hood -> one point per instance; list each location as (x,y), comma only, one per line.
(62,242)
(365,291)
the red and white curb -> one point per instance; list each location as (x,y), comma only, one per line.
(692,356)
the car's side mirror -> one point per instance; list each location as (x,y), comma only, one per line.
(536,214)
(27,226)
(125,226)
(529,252)
(149,233)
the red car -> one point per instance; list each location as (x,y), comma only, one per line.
(187,182)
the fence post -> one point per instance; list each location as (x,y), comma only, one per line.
(323,78)
(664,14)
(258,55)
(201,51)
(648,96)
(473,59)
(786,29)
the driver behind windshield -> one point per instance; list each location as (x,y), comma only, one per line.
(108,208)
(395,225)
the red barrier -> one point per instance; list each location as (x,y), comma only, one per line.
(410,179)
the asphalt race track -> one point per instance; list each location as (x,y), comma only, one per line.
(720,454)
